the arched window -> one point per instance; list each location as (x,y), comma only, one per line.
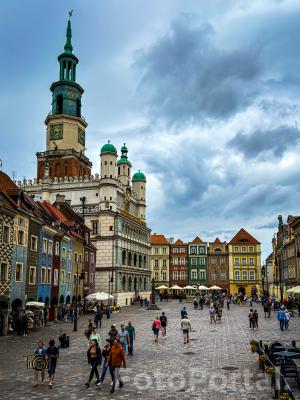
(124,283)
(123,257)
(134,259)
(145,262)
(129,284)
(140,261)
(59,104)
(57,170)
(217,250)
(129,259)
(66,170)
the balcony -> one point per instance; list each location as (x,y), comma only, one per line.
(63,153)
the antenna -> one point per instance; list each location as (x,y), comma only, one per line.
(14,175)
(0,164)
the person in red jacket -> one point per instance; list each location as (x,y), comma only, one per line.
(117,359)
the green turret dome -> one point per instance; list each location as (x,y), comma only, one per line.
(108,148)
(124,159)
(139,176)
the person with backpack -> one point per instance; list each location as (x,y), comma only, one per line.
(183,312)
(163,322)
(281,318)
(94,359)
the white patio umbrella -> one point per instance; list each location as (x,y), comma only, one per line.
(214,288)
(176,287)
(188,287)
(297,290)
(162,287)
(202,287)
(35,304)
(99,296)
(293,289)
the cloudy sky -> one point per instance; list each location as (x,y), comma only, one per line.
(204,93)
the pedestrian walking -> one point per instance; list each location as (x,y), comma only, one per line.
(113,333)
(287,317)
(212,314)
(141,301)
(255,319)
(53,354)
(94,359)
(281,318)
(123,338)
(107,311)
(106,365)
(155,328)
(228,304)
(186,328)
(40,352)
(117,359)
(131,333)
(251,320)
(183,312)
(95,336)
(163,323)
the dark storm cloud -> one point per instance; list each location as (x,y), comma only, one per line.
(186,77)
(276,140)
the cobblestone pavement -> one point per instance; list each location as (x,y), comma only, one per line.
(217,363)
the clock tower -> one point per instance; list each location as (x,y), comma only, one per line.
(65,139)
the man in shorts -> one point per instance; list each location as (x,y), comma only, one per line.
(53,354)
(163,324)
(186,328)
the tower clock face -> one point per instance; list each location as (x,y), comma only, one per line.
(56,132)
(81,137)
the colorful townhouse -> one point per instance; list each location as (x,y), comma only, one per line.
(198,262)
(160,255)
(244,254)
(218,265)
(179,263)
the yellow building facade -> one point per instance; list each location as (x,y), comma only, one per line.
(78,268)
(244,264)
(160,256)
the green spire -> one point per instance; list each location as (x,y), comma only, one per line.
(68,45)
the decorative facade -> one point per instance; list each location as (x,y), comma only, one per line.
(218,265)
(198,274)
(160,260)
(112,202)
(179,263)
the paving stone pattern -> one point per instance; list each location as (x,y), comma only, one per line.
(216,364)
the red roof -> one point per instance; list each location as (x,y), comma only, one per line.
(76,235)
(6,183)
(158,239)
(57,214)
(243,237)
(197,240)
(179,242)
(217,241)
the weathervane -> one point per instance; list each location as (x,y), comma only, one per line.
(70,14)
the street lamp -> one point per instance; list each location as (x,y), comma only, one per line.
(110,286)
(263,275)
(78,277)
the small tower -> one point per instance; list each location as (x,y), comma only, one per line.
(108,184)
(139,187)
(124,167)
(108,156)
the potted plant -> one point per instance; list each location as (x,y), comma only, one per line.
(285,396)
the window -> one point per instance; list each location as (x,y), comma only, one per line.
(19,272)
(182,250)
(175,250)
(91,278)
(175,261)
(193,250)
(222,260)
(194,273)
(76,257)
(201,249)
(236,249)
(80,258)
(164,263)
(251,249)
(202,274)
(251,261)
(70,254)
(223,276)
(75,279)
(3,272)
(43,275)
(21,222)
(236,261)
(32,275)
(182,261)
(164,250)
(62,280)
(213,276)
(86,275)
(164,276)
(237,275)
(251,275)
(21,238)
(244,249)
(111,227)
(95,228)
(57,248)
(213,260)
(49,272)
(194,261)
(156,250)
(175,275)
(182,277)
(34,243)
(244,261)
(69,280)
(86,256)
(245,275)
(92,257)
(202,261)
(156,263)
(5,235)
(50,247)
(45,245)
(156,276)
(55,277)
